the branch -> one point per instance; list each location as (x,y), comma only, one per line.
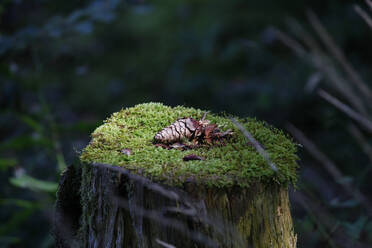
(291,43)
(164,244)
(363,121)
(330,167)
(334,233)
(364,15)
(369,3)
(258,147)
(319,60)
(366,147)
(339,55)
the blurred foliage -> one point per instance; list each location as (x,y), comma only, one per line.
(31,183)
(66,65)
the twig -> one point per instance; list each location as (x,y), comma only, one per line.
(313,81)
(367,148)
(258,147)
(336,235)
(291,43)
(339,55)
(322,223)
(369,3)
(164,244)
(297,29)
(204,115)
(363,14)
(330,167)
(363,121)
(339,83)
(319,60)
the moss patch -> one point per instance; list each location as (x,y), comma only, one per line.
(236,163)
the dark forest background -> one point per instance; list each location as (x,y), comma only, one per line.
(67,65)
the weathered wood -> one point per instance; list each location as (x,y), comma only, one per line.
(120,209)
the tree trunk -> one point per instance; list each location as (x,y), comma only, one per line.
(120,209)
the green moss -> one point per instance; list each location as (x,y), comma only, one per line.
(236,163)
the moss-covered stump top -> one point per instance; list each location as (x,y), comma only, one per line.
(235,163)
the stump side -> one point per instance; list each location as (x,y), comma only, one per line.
(124,210)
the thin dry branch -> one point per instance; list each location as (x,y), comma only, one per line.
(369,3)
(339,83)
(358,135)
(334,233)
(339,55)
(320,61)
(363,121)
(291,43)
(330,167)
(258,147)
(313,81)
(323,222)
(302,34)
(364,15)
(164,244)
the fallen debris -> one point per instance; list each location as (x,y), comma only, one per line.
(192,157)
(188,133)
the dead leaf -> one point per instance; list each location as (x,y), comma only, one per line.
(209,132)
(162,146)
(192,157)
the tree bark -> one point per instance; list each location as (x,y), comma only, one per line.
(120,209)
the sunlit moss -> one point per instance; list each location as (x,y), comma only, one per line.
(236,163)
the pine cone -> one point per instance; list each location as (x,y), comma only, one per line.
(185,128)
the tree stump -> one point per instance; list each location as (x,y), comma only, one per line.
(127,192)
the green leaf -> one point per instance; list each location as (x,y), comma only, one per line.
(34,184)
